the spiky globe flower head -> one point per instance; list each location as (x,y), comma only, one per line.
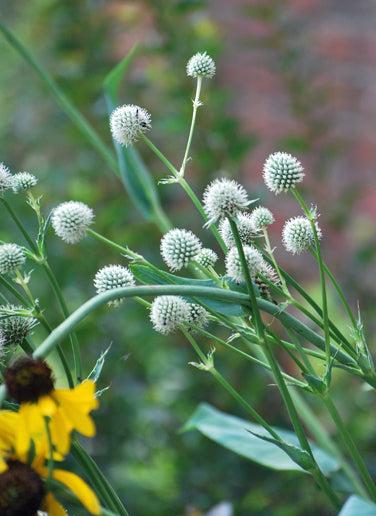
(14,328)
(245,228)
(128,123)
(12,257)
(206,257)
(282,172)
(261,217)
(269,273)
(168,313)
(178,247)
(201,65)
(297,234)
(5,178)
(198,317)
(70,221)
(224,197)
(23,181)
(113,276)
(254,259)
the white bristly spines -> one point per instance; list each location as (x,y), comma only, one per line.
(298,236)
(168,313)
(224,197)
(206,257)
(201,65)
(282,172)
(128,123)
(110,277)
(23,181)
(5,178)
(178,247)
(198,316)
(246,230)
(261,217)
(255,261)
(12,257)
(71,220)
(15,328)
(2,344)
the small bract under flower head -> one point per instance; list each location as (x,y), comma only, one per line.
(201,65)
(71,219)
(5,178)
(245,228)
(113,276)
(12,257)
(224,197)
(15,328)
(206,257)
(168,313)
(254,259)
(128,122)
(297,234)
(282,172)
(261,217)
(178,247)
(23,181)
(198,316)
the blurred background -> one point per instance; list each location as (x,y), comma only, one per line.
(296,76)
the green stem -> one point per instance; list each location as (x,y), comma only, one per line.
(270,252)
(99,481)
(196,105)
(351,447)
(188,190)
(73,338)
(316,472)
(220,379)
(123,250)
(309,216)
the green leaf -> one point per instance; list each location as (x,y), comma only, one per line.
(97,369)
(234,434)
(356,506)
(133,172)
(299,456)
(148,275)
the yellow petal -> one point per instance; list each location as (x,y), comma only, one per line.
(79,488)
(31,425)
(52,506)
(60,431)
(47,406)
(3,465)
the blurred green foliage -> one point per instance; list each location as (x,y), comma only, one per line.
(152,389)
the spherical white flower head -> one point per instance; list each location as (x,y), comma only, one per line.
(168,313)
(282,172)
(297,235)
(269,273)
(224,197)
(14,328)
(198,316)
(206,257)
(23,181)
(70,221)
(128,123)
(261,217)
(178,247)
(5,178)
(254,259)
(245,228)
(12,257)
(113,276)
(201,65)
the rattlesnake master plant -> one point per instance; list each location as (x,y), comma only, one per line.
(236,283)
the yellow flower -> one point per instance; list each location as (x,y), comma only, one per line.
(29,381)
(23,489)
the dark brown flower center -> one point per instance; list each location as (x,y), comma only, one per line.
(27,379)
(21,490)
